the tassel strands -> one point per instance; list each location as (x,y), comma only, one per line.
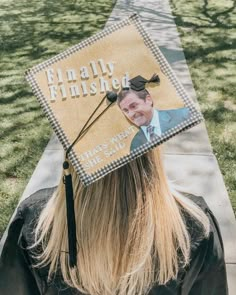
(70,210)
(154,79)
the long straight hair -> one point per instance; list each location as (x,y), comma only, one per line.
(131,230)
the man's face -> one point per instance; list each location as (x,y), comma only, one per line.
(137,110)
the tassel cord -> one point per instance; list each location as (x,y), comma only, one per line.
(84,127)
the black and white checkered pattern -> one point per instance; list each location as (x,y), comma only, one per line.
(195,118)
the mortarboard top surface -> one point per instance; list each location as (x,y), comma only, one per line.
(70,85)
(138,83)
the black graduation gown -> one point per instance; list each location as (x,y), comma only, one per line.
(205,275)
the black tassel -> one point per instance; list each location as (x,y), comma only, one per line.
(155,79)
(71,225)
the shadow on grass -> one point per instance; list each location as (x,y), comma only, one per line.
(219,113)
(207,30)
(44,25)
(207,24)
(208,16)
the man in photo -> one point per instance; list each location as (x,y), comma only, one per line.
(137,106)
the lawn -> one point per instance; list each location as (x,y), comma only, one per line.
(31,32)
(208,35)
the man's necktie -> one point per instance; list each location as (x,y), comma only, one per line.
(152,134)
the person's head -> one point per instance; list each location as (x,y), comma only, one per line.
(137,106)
(130,230)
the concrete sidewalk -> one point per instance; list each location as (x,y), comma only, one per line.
(188,157)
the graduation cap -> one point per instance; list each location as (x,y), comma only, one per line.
(138,83)
(77,90)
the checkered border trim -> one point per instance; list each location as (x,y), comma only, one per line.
(194,119)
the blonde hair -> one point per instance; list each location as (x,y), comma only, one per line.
(131,232)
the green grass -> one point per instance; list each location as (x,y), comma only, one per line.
(208,35)
(31,32)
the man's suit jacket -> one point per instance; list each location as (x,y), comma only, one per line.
(168,119)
